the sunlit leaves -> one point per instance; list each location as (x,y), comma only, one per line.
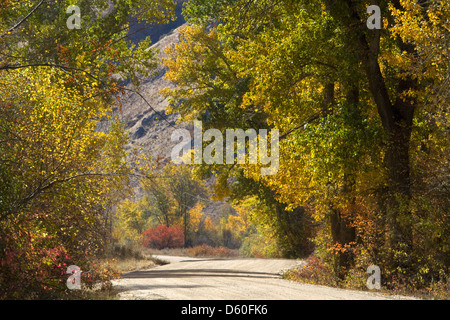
(62,158)
(61,170)
(315,72)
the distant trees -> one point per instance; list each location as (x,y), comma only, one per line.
(171,194)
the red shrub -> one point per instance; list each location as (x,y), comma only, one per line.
(164,237)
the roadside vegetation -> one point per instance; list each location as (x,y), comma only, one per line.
(317,271)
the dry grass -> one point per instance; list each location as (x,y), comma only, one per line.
(132,264)
(126,258)
(165,252)
(208,251)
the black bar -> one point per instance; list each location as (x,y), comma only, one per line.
(223,309)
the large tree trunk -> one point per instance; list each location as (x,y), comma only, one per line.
(297,227)
(342,230)
(397,121)
(396,118)
(399,188)
(342,233)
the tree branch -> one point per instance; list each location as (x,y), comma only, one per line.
(51,65)
(22,21)
(310,119)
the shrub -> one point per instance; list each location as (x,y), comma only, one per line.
(315,271)
(125,251)
(207,251)
(253,246)
(260,246)
(163,237)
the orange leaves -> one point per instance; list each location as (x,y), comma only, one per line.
(63,53)
(342,248)
(314,271)
(163,237)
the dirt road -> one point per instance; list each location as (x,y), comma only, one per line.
(227,279)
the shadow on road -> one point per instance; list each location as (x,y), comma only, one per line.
(183,273)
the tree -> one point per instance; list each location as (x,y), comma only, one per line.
(346,98)
(227,78)
(133,218)
(199,226)
(171,191)
(59,173)
(63,176)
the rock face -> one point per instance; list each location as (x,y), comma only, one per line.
(143,114)
(149,127)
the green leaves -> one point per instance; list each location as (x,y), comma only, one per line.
(345,99)
(99,49)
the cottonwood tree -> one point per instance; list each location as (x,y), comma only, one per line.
(347,99)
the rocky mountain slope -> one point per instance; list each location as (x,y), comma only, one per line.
(149,127)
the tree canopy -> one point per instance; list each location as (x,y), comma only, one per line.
(361,112)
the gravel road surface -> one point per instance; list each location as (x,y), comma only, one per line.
(186,278)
